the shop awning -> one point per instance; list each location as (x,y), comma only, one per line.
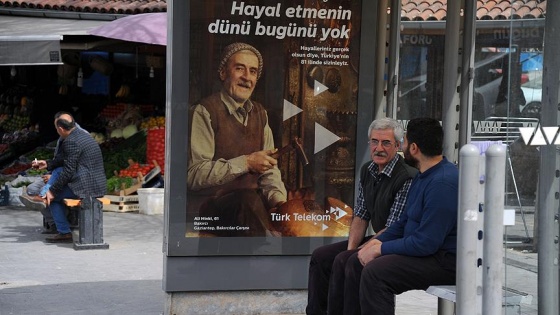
(149,28)
(30,50)
(37,41)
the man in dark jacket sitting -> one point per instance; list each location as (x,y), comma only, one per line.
(82,176)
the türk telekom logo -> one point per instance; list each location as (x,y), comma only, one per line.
(540,135)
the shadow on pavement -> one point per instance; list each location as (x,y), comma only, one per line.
(109,297)
(22,234)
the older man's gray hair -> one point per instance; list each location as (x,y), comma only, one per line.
(231,49)
(387,123)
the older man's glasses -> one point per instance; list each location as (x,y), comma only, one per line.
(375,143)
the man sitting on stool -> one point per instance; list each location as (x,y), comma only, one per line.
(82,175)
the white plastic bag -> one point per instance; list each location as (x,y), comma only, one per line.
(14,196)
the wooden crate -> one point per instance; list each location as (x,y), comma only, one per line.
(140,180)
(128,191)
(121,203)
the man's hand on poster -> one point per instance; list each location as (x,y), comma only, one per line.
(369,251)
(261,161)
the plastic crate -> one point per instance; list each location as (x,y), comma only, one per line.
(5,196)
(150,200)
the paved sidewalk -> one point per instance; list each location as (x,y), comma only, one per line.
(41,278)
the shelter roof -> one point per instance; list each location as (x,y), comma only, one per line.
(91,6)
(436,10)
(412,10)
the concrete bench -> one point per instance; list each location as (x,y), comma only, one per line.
(447,297)
(90,222)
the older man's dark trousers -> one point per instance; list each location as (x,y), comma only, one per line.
(372,289)
(320,268)
(326,278)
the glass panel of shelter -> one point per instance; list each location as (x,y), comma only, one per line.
(507,95)
(518,104)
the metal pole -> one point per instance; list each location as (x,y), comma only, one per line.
(467,72)
(366,80)
(493,252)
(467,230)
(550,168)
(394,49)
(380,104)
(450,108)
(445,307)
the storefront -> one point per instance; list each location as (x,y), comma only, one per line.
(110,85)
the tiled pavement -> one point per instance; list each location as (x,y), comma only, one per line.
(40,278)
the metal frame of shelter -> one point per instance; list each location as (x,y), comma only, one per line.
(458,134)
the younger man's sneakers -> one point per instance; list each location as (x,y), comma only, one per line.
(60,238)
(33,202)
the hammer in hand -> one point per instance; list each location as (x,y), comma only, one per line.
(295,144)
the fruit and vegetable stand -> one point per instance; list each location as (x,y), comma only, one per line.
(133,149)
(132,158)
(17,136)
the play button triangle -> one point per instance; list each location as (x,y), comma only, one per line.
(319,88)
(323,138)
(290,110)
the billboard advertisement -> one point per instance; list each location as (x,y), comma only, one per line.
(273,89)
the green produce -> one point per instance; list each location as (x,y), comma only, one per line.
(40,154)
(117,183)
(99,137)
(129,131)
(117,133)
(23,183)
(35,172)
(116,154)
